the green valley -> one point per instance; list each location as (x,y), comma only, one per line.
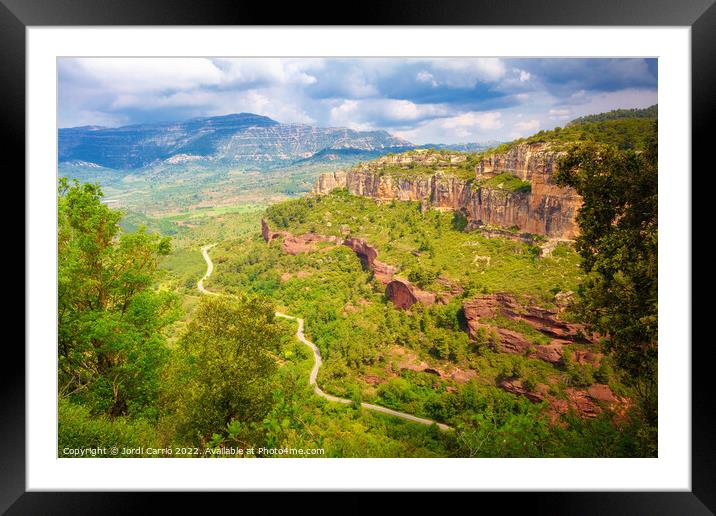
(470,289)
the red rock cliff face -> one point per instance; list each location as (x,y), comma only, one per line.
(544,321)
(586,403)
(548,209)
(369,258)
(404,294)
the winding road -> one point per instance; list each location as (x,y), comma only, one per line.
(317,357)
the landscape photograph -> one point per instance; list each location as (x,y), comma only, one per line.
(357,257)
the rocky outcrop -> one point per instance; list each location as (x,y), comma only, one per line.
(586,403)
(402,358)
(368,256)
(296,244)
(525,238)
(534,162)
(449,290)
(266,232)
(550,352)
(516,387)
(404,294)
(548,209)
(542,320)
(329,181)
(308,242)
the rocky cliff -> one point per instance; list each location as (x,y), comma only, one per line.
(480,313)
(547,209)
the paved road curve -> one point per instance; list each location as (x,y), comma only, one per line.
(317,357)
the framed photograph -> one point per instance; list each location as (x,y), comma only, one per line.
(426,255)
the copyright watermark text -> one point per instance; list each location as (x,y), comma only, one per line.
(183,451)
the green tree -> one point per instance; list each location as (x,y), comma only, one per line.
(422,276)
(229,347)
(618,249)
(110,343)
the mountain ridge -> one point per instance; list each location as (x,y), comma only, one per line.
(242,138)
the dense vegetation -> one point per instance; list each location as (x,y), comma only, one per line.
(651,112)
(368,347)
(109,318)
(441,162)
(123,383)
(324,287)
(363,338)
(626,133)
(147,361)
(618,245)
(431,244)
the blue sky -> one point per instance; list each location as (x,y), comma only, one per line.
(425,100)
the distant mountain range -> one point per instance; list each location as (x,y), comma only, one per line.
(243,139)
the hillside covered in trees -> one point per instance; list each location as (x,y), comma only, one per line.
(523,345)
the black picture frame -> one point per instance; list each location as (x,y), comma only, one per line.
(700,15)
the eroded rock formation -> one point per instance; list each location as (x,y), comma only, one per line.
(330,181)
(542,320)
(308,242)
(369,258)
(296,244)
(404,294)
(586,403)
(548,209)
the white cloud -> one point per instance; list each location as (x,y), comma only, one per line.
(150,74)
(264,102)
(344,113)
(560,114)
(489,120)
(374,113)
(353,80)
(268,70)
(414,98)
(425,76)
(526,126)
(578,97)
(404,110)
(464,127)
(212,103)
(82,117)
